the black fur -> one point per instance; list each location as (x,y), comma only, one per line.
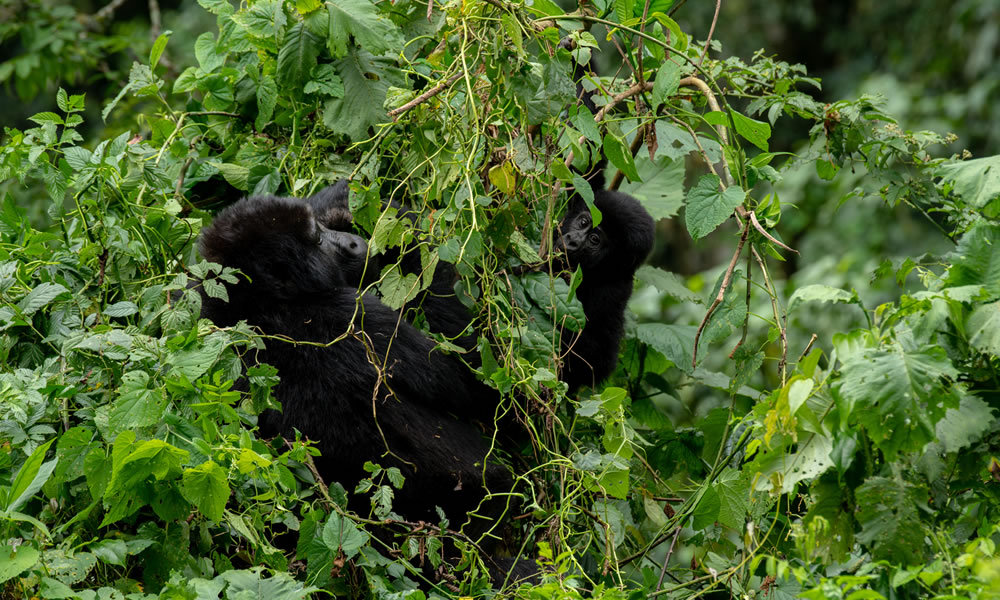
(416,416)
(608,255)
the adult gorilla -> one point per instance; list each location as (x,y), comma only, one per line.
(362,383)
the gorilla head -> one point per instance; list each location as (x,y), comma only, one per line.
(286,252)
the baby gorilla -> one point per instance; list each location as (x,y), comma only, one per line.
(608,255)
(355,378)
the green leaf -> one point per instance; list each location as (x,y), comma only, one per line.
(14,561)
(889,515)
(976,260)
(977,181)
(668,283)
(297,56)
(619,155)
(325,81)
(360,18)
(899,396)
(780,471)
(366,81)
(149,458)
(30,477)
(249,585)
(206,487)
(40,297)
(755,132)
(137,405)
(552,295)
(676,342)
(966,424)
(707,207)
(341,533)
(237,175)
(121,309)
(818,292)
(264,19)
(668,79)
(661,189)
(267,98)
(584,121)
(398,289)
(204,50)
(158,47)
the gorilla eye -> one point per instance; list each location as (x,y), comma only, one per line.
(594,237)
(584,221)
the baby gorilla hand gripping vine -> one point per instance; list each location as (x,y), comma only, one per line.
(355,378)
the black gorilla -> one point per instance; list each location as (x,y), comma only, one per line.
(355,378)
(608,255)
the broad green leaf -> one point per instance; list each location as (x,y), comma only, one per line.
(889,515)
(237,175)
(707,207)
(673,142)
(552,295)
(359,18)
(250,585)
(40,297)
(206,487)
(204,50)
(341,533)
(264,19)
(192,362)
(676,342)
(733,493)
(667,80)
(30,477)
(779,471)
(818,292)
(899,396)
(366,81)
(976,261)
(121,309)
(137,405)
(983,327)
(154,458)
(584,121)
(619,155)
(325,81)
(730,314)
(755,132)
(965,424)
(661,189)
(977,181)
(297,56)
(398,289)
(14,561)
(267,98)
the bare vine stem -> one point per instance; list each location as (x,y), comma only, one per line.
(720,295)
(434,91)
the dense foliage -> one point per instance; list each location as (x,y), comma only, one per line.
(785,423)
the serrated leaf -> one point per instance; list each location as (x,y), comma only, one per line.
(899,396)
(584,121)
(668,79)
(667,282)
(983,327)
(966,424)
(40,297)
(676,342)
(707,207)
(325,81)
(976,260)
(121,309)
(267,98)
(398,289)
(977,181)
(361,19)
(205,52)
(889,515)
(46,117)
(819,292)
(206,487)
(552,295)
(661,191)
(297,56)
(237,175)
(362,104)
(77,158)
(264,19)
(137,405)
(341,533)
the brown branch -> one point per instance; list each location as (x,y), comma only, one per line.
(808,346)
(434,91)
(720,295)
(711,31)
(666,559)
(763,232)
(323,490)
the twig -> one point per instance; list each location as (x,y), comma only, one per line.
(711,30)
(154,19)
(323,490)
(763,232)
(666,559)
(181,175)
(720,295)
(434,91)
(808,346)
(774,308)
(108,10)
